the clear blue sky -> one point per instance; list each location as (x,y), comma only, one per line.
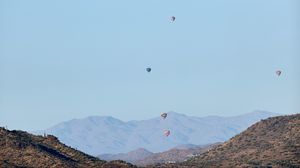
(68,59)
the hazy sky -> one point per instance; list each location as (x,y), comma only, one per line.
(65,59)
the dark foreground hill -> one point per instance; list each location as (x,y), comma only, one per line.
(274,142)
(20,149)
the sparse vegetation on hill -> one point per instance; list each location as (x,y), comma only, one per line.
(20,149)
(274,142)
(270,143)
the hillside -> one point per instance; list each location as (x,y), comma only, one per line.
(97,135)
(142,157)
(274,142)
(131,156)
(20,149)
(174,155)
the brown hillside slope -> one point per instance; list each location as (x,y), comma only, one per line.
(274,142)
(21,149)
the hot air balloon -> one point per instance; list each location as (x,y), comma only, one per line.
(148,69)
(167,133)
(173,18)
(278,73)
(164,115)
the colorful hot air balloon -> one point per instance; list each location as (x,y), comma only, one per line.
(173,18)
(148,69)
(278,73)
(164,115)
(167,133)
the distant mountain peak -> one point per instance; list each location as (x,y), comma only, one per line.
(259,113)
(137,154)
(140,151)
(173,113)
(263,112)
(100,118)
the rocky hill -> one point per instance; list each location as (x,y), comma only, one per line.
(21,149)
(143,157)
(174,155)
(274,142)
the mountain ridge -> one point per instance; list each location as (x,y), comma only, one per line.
(118,136)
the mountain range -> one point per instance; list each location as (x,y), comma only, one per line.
(97,135)
(272,142)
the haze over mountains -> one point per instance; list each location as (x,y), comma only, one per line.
(99,135)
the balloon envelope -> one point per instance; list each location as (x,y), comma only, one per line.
(167,133)
(173,18)
(278,73)
(164,115)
